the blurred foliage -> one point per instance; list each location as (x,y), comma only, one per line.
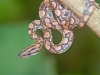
(81,59)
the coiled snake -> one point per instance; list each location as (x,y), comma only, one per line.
(65,20)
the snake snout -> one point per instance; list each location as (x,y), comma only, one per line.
(22,55)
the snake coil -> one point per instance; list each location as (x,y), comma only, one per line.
(65,20)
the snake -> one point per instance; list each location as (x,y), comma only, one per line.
(53,14)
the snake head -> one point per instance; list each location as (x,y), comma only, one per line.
(29,51)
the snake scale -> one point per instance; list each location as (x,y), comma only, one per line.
(55,15)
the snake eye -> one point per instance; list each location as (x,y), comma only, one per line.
(29,53)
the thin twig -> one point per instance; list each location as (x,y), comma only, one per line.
(77,6)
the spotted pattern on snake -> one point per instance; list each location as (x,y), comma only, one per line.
(62,19)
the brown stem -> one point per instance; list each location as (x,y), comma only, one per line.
(77,6)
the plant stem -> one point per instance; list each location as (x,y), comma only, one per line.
(77,6)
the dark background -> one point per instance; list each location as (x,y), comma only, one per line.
(83,57)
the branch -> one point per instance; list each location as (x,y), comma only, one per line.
(77,6)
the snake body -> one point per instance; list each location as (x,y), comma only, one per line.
(64,21)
